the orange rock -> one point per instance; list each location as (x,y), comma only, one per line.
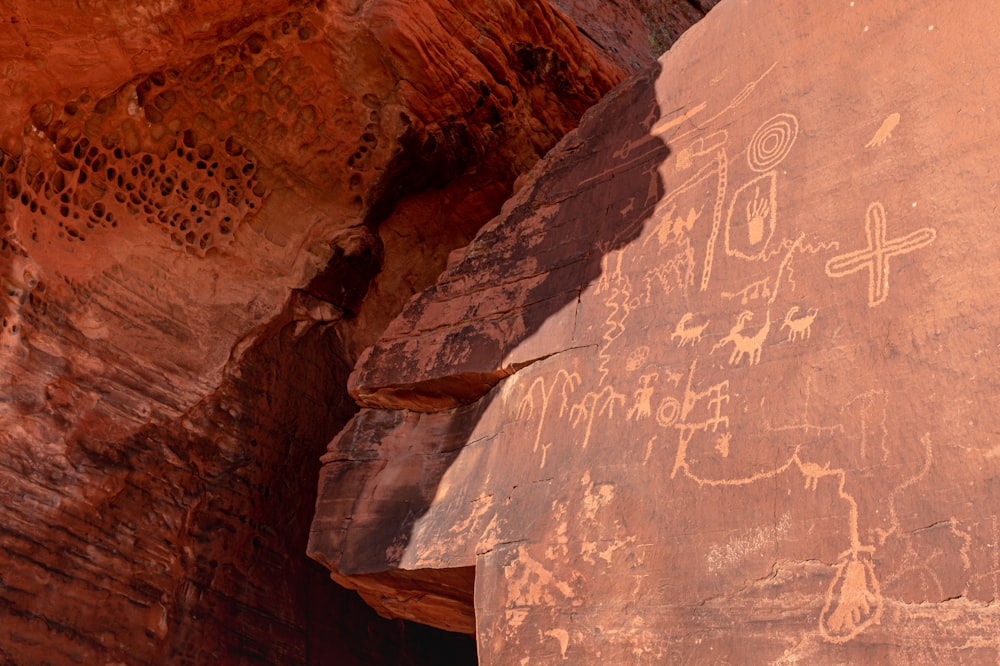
(194,201)
(716,386)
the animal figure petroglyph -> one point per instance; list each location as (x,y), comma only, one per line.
(745,346)
(799,328)
(688,334)
(884,131)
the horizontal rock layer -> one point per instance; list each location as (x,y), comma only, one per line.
(718,384)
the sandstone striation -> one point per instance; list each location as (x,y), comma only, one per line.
(718,384)
(207,212)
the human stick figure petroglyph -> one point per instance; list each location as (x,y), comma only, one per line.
(642,407)
(875,257)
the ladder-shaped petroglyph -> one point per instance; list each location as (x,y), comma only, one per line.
(875,257)
(710,403)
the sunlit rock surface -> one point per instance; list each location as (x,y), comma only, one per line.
(719,383)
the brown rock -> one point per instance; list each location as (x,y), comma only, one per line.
(193,203)
(723,365)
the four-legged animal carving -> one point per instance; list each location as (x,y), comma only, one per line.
(799,328)
(686,334)
(744,345)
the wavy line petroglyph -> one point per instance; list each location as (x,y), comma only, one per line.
(619,301)
(875,257)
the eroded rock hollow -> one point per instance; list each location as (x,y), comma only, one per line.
(208,211)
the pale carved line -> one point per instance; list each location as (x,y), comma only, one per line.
(875,257)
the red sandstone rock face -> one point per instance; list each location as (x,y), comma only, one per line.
(718,383)
(194,201)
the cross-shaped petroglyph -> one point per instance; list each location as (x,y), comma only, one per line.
(875,257)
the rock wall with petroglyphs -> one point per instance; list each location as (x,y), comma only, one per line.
(735,354)
(207,210)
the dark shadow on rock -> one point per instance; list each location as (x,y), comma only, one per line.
(382,473)
(217,506)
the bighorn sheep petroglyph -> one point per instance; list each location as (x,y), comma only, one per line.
(744,345)
(799,328)
(686,334)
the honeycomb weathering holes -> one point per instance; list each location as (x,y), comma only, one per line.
(86,181)
(168,148)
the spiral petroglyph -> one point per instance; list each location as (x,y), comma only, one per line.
(770,144)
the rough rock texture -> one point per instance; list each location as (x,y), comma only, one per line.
(719,385)
(194,202)
(630,30)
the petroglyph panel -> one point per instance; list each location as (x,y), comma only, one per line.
(761,400)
